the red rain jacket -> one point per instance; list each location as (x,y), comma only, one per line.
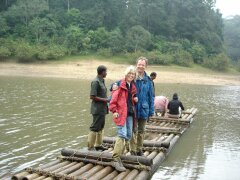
(118,103)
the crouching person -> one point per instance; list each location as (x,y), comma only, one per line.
(124,114)
(175,106)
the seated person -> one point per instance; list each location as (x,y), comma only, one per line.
(174,106)
(160,105)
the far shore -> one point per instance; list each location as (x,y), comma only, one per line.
(87,70)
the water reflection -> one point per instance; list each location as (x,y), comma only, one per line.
(40,116)
(213,139)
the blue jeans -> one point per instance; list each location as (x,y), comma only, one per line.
(125,131)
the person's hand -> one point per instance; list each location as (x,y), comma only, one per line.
(114,86)
(135,99)
(115,115)
(108,100)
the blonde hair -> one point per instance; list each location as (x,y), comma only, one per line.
(130,69)
(142,59)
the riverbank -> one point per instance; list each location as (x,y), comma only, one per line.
(86,69)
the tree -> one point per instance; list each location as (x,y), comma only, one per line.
(137,39)
(73,39)
(232,37)
(3,24)
(25,10)
(41,27)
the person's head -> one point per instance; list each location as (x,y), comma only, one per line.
(130,73)
(153,75)
(175,96)
(102,71)
(141,64)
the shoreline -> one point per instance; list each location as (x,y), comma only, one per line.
(86,70)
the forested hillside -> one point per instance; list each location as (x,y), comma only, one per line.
(166,31)
(232,37)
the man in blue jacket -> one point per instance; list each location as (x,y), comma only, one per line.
(145,105)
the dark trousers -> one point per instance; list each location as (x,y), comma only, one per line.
(98,123)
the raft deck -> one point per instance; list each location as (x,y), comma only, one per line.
(160,137)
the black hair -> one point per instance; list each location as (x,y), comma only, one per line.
(101,69)
(175,96)
(153,74)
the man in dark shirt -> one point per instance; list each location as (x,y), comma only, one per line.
(99,109)
(153,76)
(174,105)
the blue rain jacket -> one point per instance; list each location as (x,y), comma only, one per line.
(145,105)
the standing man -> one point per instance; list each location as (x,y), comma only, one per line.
(145,105)
(153,76)
(99,109)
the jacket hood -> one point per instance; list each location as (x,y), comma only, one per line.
(175,96)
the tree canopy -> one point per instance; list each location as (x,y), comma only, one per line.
(189,27)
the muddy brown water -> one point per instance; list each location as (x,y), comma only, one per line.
(39,116)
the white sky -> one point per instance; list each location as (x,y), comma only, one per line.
(228,7)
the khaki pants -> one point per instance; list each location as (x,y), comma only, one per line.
(136,142)
(119,148)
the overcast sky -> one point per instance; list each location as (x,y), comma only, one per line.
(228,7)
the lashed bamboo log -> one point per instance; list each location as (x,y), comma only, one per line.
(19,176)
(122,175)
(35,175)
(57,171)
(174,120)
(162,131)
(89,173)
(99,162)
(40,178)
(48,173)
(105,156)
(104,172)
(73,168)
(81,170)
(131,175)
(48,167)
(111,176)
(143,175)
(147,143)
(64,167)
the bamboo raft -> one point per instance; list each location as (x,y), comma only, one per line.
(160,137)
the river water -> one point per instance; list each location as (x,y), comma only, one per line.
(39,116)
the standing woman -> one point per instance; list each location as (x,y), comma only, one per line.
(124,114)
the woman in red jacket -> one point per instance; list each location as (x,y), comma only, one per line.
(124,114)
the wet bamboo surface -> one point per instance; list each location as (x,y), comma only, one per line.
(160,137)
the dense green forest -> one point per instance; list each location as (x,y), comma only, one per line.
(232,37)
(179,32)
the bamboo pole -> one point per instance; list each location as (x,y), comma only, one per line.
(147,143)
(82,170)
(122,175)
(89,173)
(35,175)
(57,171)
(104,156)
(19,176)
(143,175)
(73,168)
(109,163)
(49,169)
(104,172)
(64,167)
(111,175)
(131,175)
(40,178)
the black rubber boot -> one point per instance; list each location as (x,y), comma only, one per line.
(101,148)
